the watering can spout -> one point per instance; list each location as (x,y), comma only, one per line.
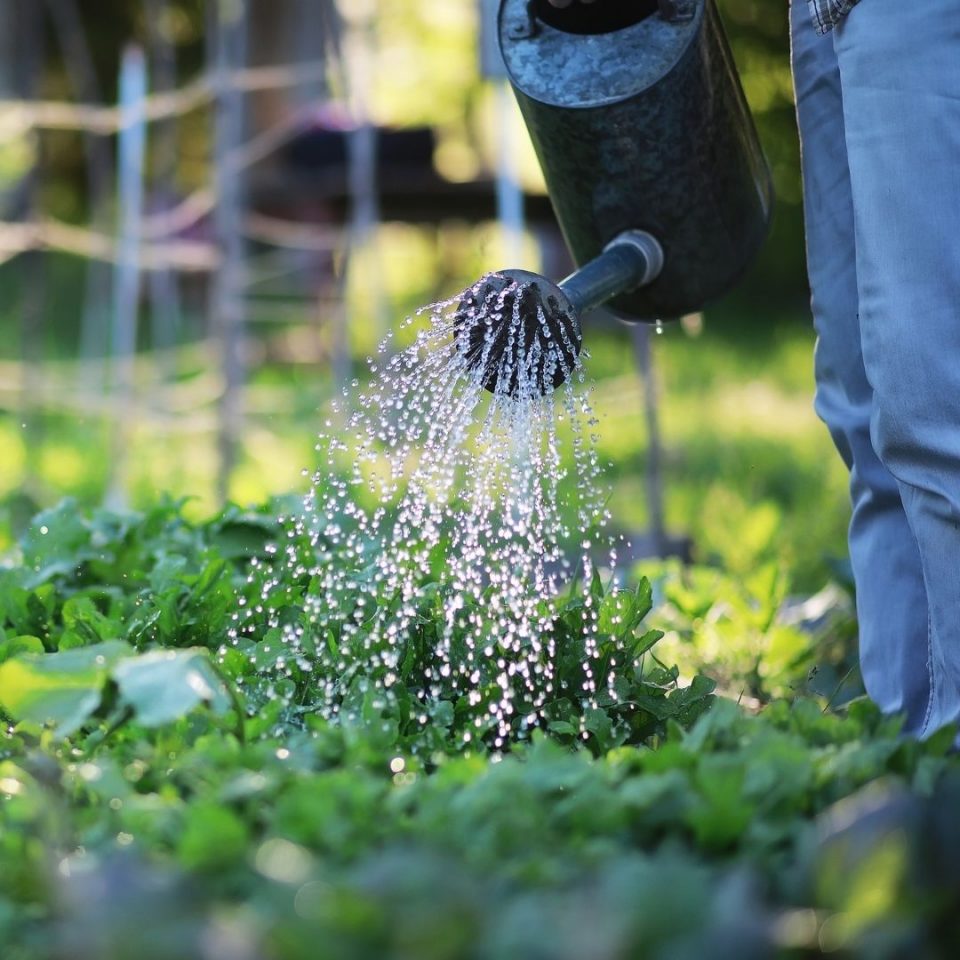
(539,322)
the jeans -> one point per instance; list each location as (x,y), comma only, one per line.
(878,106)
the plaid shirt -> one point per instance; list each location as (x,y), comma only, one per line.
(828,13)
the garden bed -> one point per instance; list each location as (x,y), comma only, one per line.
(155,802)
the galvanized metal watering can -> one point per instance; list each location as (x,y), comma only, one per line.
(649,153)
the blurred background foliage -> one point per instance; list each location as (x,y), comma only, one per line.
(750,476)
(426,71)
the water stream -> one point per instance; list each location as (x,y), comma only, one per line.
(443,521)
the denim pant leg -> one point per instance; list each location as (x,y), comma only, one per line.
(900,75)
(891,599)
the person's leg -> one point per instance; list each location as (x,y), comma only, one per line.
(891,600)
(900,75)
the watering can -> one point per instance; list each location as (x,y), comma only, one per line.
(650,156)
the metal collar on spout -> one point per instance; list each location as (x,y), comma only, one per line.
(648,246)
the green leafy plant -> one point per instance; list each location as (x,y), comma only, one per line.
(156,801)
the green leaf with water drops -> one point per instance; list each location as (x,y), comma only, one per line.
(165,685)
(270,653)
(63,689)
(621,611)
(56,542)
